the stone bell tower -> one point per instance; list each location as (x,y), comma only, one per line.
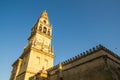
(38,53)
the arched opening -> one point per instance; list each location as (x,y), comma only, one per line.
(44,21)
(44,30)
(40,27)
(49,32)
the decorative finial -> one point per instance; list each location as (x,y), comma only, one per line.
(60,66)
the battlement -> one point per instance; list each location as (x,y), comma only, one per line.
(89,52)
(84,54)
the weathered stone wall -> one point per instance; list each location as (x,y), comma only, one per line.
(16,69)
(99,65)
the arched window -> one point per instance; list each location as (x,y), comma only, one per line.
(44,30)
(40,27)
(44,21)
(49,32)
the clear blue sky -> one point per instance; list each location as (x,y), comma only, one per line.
(78,25)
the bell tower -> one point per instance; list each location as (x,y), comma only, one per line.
(38,53)
(40,42)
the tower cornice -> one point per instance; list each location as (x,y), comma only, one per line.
(41,33)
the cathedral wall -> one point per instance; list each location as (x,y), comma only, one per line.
(113,63)
(90,67)
(112,56)
(89,57)
(114,68)
(82,60)
(83,72)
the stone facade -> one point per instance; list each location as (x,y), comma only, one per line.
(36,61)
(38,54)
(96,64)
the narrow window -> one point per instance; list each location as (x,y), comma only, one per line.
(49,32)
(44,21)
(40,27)
(44,30)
